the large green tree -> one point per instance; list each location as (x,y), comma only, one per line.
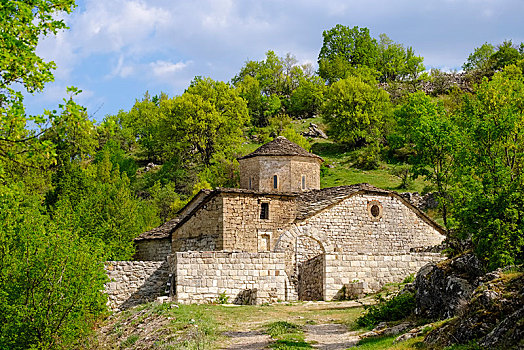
(22,25)
(490,204)
(355,111)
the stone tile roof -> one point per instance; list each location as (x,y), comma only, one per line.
(281,146)
(313,201)
(162,231)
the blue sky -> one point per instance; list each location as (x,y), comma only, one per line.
(116,50)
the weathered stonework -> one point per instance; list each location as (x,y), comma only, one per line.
(374,269)
(202,230)
(135,282)
(153,249)
(282,237)
(199,277)
(311,277)
(259,172)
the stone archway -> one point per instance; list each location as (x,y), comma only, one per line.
(302,245)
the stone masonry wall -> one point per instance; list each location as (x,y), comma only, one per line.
(350,226)
(135,282)
(243,225)
(199,277)
(311,279)
(289,170)
(152,249)
(202,231)
(375,270)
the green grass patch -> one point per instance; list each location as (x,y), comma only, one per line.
(394,309)
(287,336)
(380,343)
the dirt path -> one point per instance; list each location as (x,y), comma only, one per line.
(249,340)
(330,336)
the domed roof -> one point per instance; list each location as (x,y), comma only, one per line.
(281,146)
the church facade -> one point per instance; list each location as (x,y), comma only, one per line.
(281,237)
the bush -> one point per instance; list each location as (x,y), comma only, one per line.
(393,309)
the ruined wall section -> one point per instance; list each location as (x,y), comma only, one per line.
(352,227)
(152,249)
(243,227)
(135,282)
(203,230)
(199,277)
(311,279)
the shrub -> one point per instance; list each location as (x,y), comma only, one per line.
(393,309)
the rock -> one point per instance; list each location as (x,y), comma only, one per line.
(493,316)
(399,328)
(413,333)
(443,289)
(314,131)
(508,332)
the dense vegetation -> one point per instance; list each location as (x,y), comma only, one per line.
(74,193)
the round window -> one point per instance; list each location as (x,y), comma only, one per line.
(375,209)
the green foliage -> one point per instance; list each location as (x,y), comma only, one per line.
(489,203)
(50,277)
(355,111)
(345,49)
(394,309)
(409,278)
(222,298)
(100,205)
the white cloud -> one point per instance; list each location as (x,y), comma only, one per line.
(164,68)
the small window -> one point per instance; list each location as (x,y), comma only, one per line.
(303,182)
(264,211)
(275,182)
(250,184)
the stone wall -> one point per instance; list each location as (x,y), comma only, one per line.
(376,270)
(203,230)
(152,249)
(135,282)
(311,279)
(289,170)
(350,226)
(199,277)
(243,227)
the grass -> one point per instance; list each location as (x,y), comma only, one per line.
(172,327)
(380,343)
(287,336)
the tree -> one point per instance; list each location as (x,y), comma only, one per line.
(355,111)
(207,119)
(343,45)
(22,25)
(50,278)
(345,49)
(426,127)
(490,204)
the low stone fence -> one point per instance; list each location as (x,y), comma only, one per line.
(254,278)
(135,282)
(375,270)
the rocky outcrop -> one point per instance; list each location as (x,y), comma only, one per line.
(493,317)
(422,202)
(314,131)
(443,289)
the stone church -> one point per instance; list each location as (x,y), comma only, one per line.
(281,237)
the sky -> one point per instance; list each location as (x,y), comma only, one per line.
(116,50)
